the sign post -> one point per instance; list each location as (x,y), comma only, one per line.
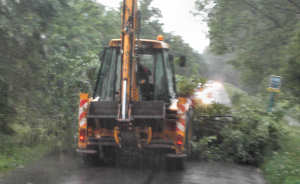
(274,87)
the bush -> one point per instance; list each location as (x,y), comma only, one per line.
(244,138)
(186,86)
(207,120)
(283,166)
(202,149)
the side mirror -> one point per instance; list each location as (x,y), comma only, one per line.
(182,61)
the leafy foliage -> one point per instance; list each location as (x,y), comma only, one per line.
(18,156)
(186,85)
(283,166)
(244,138)
(261,34)
(291,58)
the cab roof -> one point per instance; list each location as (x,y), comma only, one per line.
(145,43)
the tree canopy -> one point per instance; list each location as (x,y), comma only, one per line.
(263,35)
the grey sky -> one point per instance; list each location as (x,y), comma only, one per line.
(177,18)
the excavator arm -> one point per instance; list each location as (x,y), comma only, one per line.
(128,39)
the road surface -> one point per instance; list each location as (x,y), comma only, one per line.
(221,96)
(67,169)
(213,93)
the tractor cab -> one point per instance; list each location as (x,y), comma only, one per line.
(152,75)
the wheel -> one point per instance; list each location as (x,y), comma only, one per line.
(109,155)
(179,164)
(174,163)
(189,134)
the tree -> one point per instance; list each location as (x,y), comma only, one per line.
(255,31)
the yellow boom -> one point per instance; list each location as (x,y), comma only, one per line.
(128,56)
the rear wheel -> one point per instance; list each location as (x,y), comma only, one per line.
(109,155)
(175,163)
(188,134)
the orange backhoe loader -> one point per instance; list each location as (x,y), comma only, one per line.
(134,107)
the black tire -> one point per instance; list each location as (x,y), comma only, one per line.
(180,164)
(174,164)
(110,155)
(189,134)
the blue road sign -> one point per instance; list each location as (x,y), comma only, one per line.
(275,83)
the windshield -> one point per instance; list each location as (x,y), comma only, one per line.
(154,77)
(109,75)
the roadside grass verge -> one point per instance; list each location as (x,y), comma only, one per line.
(283,166)
(17,156)
(294,112)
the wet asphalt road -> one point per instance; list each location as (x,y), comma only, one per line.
(66,169)
(220,95)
